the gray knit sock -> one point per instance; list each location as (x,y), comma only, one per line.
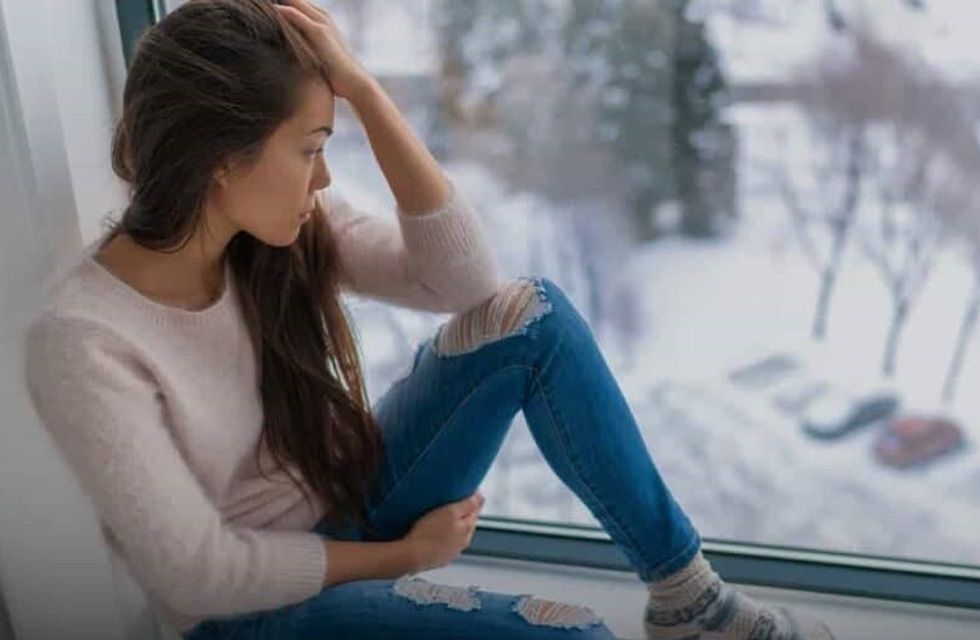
(695,604)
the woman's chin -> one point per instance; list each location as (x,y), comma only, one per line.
(283,240)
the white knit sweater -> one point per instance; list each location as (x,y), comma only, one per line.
(157,412)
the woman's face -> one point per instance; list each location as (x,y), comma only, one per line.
(270,198)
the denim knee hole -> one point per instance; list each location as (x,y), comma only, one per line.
(521,301)
(538,611)
(422,591)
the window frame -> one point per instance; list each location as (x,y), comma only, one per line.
(134,16)
(837,573)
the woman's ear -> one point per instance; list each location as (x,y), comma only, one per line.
(220,177)
(227,169)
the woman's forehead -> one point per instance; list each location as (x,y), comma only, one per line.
(316,105)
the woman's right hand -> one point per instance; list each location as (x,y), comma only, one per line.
(439,536)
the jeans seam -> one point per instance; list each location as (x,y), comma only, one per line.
(659,572)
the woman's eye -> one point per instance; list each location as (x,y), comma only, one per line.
(314,152)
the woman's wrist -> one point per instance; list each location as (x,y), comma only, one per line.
(356,560)
(365,90)
(410,561)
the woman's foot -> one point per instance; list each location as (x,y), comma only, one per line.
(695,604)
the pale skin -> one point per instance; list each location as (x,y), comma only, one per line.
(268,199)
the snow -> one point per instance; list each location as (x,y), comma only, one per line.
(399,41)
(782,37)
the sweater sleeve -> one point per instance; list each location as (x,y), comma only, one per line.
(107,419)
(438,261)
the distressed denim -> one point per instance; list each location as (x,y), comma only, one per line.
(443,423)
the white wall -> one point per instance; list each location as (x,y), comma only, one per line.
(60,70)
(88,72)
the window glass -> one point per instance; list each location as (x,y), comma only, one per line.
(766,211)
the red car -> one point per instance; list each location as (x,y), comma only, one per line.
(912,440)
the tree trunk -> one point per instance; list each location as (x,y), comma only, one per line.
(967,327)
(842,230)
(827,280)
(894,334)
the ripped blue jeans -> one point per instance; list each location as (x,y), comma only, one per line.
(529,350)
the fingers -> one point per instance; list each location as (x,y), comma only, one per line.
(470,520)
(472,507)
(474,501)
(299,19)
(309,9)
(323,12)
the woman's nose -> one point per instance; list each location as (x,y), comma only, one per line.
(321,177)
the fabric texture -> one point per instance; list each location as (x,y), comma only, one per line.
(156,411)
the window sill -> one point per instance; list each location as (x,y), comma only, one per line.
(938,584)
(619,598)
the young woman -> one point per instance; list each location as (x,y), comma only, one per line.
(197,370)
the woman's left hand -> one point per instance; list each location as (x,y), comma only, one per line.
(345,73)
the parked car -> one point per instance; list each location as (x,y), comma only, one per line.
(764,372)
(836,413)
(915,440)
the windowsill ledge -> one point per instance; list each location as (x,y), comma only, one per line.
(619,598)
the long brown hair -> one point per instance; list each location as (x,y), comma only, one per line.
(208,83)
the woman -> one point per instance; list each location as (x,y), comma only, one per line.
(197,370)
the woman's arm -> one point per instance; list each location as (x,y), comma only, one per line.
(415,177)
(437,257)
(106,415)
(367,561)
(434,540)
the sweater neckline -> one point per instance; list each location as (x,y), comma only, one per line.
(157,310)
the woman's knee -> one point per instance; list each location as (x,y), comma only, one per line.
(518,303)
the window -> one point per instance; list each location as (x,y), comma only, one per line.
(794,186)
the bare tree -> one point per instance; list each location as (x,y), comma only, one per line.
(919,133)
(879,121)
(968,232)
(960,207)
(824,216)
(905,233)
(841,101)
